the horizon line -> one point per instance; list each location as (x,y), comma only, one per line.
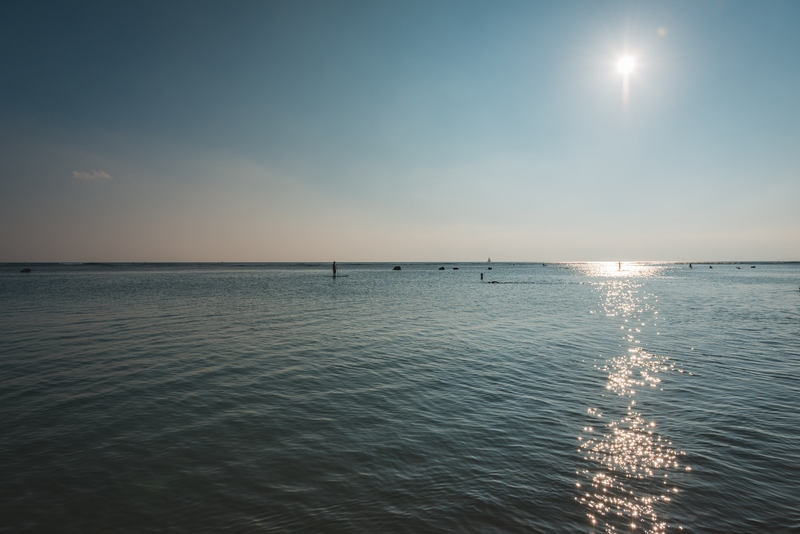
(402,262)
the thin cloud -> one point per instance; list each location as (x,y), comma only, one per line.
(94,175)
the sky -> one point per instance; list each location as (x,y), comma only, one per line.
(399,131)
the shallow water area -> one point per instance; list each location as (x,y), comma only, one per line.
(592,397)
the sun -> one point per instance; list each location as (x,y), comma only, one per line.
(625,64)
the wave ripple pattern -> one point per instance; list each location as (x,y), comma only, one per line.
(587,397)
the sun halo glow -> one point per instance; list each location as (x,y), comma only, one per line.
(625,64)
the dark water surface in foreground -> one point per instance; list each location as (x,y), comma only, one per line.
(573,398)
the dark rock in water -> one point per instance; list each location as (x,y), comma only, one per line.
(25,270)
(752,266)
(490,268)
(396,268)
(455,268)
(441,268)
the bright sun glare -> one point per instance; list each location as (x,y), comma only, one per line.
(625,64)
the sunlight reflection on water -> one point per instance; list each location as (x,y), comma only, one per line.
(625,484)
(619,269)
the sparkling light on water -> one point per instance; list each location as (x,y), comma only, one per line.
(625,484)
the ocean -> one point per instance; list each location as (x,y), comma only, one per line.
(580,397)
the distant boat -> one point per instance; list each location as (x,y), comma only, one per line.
(489,260)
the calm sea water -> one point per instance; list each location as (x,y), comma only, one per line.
(243,398)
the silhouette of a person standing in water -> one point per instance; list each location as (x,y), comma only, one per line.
(334,269)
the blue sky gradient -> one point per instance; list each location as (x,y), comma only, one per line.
(402,131)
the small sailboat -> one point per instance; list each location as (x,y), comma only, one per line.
(489,260)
